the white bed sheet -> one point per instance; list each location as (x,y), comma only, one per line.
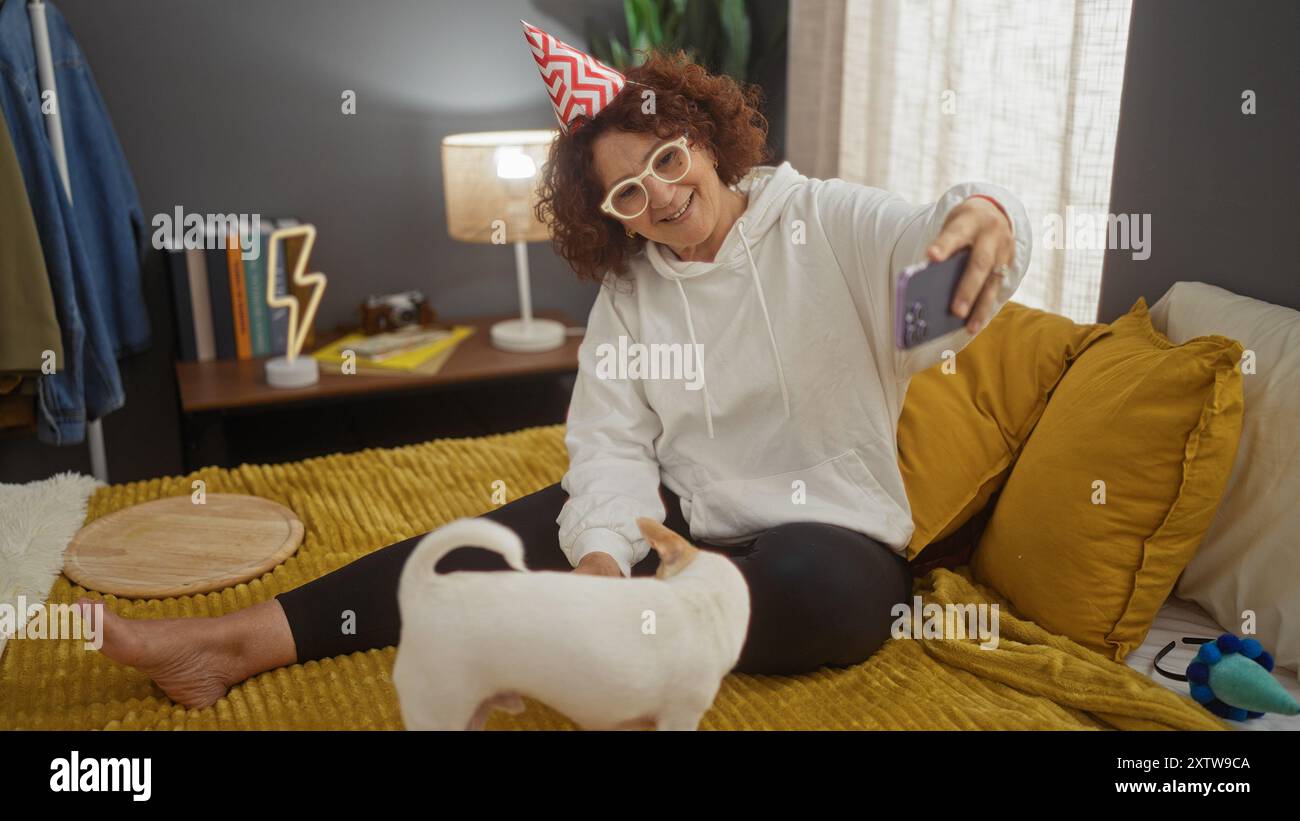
(1179,618)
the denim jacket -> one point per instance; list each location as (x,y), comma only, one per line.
(92,247)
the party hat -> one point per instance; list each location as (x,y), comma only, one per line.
(579,84)
(1230,677)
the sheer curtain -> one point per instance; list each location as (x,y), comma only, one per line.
(915,96)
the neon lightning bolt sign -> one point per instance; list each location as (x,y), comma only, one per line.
(298,325)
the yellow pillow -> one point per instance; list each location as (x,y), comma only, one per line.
(1117,485)
(960,431)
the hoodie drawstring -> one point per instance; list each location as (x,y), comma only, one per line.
(696,352)
(771,334)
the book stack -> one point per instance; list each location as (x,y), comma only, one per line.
(220,297)
(404,352)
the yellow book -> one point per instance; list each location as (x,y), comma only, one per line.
(429,368)
(408,361)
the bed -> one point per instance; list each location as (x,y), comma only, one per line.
(1035,678)
(351,504)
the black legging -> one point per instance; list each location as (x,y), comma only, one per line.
(819,594)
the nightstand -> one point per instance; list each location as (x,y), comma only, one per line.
(230,415)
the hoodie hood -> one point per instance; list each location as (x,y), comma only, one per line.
(768,189)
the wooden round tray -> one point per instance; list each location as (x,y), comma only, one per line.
(174,547)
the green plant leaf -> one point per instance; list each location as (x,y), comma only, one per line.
(673,20)
(639,48)
(735,22)
(598,44)
(650,16)
(633,22)
(622,60)
(717,34)
(699,32)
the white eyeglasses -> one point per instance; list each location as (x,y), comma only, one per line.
(628,199)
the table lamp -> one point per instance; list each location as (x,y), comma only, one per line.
(490,180)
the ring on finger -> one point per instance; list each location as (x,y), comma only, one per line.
(1002,271)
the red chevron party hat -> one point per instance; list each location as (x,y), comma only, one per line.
(579,84)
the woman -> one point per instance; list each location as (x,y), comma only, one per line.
(777,290)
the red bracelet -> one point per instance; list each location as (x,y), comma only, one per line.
(999,206)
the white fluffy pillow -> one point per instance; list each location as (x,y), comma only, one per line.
(1250,558)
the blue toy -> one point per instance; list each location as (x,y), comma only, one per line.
(1232,678)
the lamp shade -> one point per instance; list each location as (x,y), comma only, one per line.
(490,182)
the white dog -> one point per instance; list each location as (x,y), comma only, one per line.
(608,653)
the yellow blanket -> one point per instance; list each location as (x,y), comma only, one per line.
(352,504)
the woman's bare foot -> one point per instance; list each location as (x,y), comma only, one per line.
(196,661)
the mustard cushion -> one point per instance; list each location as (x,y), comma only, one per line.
(961,429)
(1117,485)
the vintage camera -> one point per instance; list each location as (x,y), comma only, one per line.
(388,312)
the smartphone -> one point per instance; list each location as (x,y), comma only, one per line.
(925,292)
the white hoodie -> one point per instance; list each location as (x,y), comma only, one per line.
(802,383)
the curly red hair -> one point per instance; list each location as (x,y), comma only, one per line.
(717,112)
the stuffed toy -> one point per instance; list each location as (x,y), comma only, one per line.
(1231,677)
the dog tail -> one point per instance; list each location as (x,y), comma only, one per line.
(483,533)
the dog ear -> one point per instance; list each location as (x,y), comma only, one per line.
(666,543)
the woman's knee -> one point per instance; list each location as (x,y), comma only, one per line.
(532,518)
(820,595)
(847,567)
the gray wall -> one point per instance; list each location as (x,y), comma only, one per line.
(234,106)
(1220,185)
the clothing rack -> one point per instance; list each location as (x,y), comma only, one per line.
(54,126)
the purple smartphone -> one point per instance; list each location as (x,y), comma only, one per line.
(925,292)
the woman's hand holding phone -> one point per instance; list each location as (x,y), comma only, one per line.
(980,224)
